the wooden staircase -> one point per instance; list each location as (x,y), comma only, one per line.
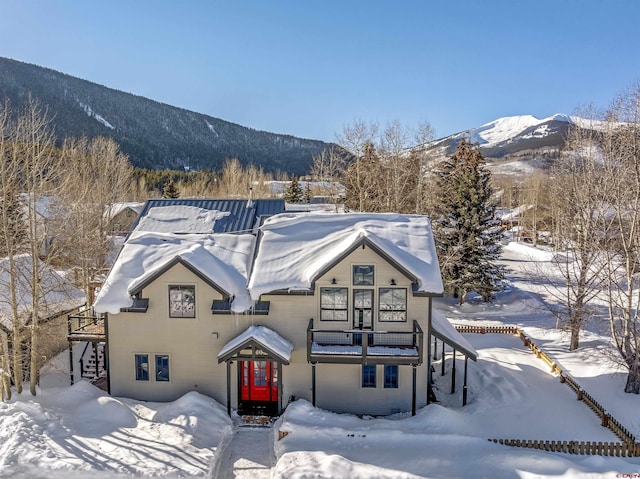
(92,365)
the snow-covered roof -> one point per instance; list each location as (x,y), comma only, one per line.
(179,219)
(57,295)
(442,328)
(223,259)
(115,209)
(508,214)
(296,248)
(263,336)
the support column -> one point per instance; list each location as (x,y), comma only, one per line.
(464,388)
(229,387)
(413,397)
(443,358)
(279,387)
(453,373)
(313,384)
(435,349)
(71,361)
(95,353)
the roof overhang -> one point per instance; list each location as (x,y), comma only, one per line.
(442,329)
(257,338)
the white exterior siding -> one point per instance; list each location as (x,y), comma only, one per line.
(194,343)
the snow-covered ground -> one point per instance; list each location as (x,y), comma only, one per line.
(80,432)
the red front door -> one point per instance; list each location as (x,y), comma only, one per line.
(259,380)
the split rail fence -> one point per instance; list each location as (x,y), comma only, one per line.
(628,445)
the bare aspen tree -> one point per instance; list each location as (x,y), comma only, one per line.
(97,176)
(581,223)
(327,169)
(621,163)
(358,142)
(423,195)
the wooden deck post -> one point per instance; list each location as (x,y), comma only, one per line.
(229,388)
(443,358)
(435,349)
(453,373)
(464,387)
(313,384)
(413,397)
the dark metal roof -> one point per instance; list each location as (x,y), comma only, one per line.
(244,215)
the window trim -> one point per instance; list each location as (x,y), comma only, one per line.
(391,376)
(345,309)
(381,311)
(155,370)
(367,376)
(136,365)
(182,286)
(363,282)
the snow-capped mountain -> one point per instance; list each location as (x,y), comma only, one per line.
(514,144)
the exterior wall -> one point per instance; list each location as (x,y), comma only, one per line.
(122,222)
(194,343)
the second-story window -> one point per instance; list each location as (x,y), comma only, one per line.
(393,304)
(363,275)
(333,304)
(182,301)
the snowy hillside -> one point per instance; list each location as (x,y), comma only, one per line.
(515,144)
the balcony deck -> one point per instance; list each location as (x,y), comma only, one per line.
(355,346)
(84,327)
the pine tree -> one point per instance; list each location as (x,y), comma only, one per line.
(468,236)
(170,190)
(294,193)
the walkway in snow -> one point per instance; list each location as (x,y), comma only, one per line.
(248,455)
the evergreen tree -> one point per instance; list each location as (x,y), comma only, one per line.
(294,193)
(467,235)
(170,190)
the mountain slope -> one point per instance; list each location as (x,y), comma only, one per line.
(514,144)
(153,134)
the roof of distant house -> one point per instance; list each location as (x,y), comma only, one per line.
(57,295)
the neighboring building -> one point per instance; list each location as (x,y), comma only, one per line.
(58,298)
(333,308)
(122,216)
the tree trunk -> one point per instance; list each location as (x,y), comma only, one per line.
(575,337)
(633,382)
(5,366)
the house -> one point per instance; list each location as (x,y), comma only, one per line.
(121,216)
(57,299)
(333,308)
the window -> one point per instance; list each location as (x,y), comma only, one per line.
(142,367)
(333,304)
(368,375)
(182,301)
(363,275)
(259,373)
(393,304)
(391,376)
(162,367)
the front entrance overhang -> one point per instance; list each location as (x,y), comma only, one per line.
(257,342)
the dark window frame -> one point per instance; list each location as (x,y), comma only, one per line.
(391,376)
(142,374)
(334,310)
(369,376)
(182,313)
(393,310)
(160,368)
(359,278)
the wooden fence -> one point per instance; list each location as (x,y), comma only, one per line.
(628,446)
(575,447)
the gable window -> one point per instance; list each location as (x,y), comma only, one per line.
(142,367)
(391,376)
(368,375)
(363,275)
(393,304)
(162,367)
(333,304)
(182,301)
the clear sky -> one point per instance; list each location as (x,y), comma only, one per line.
(310,67)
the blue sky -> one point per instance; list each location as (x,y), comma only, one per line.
(310,67)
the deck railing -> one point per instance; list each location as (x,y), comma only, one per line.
(85,325)
(361,345)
